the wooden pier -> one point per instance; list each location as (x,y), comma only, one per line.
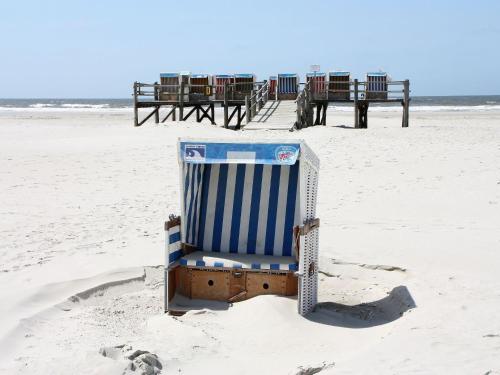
(240,101)
(312,103)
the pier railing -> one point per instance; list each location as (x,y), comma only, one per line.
(322,90)
(180,92)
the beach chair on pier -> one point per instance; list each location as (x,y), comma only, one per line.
(288,86)
(220,81)
(376,86)
(200,87)
(243,86)
(170,86)
(248,222)
(272,87)
(339,85)
(317,85)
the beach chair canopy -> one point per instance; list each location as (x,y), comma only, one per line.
(169,75)
(339,74)
(316,74)
(244,75)
(220,80)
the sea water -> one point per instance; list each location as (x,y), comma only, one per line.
(418,103)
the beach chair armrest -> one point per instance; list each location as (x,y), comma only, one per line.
(173,221)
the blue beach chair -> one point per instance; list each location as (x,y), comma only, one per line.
(288,86)
(376,86)
(248,224)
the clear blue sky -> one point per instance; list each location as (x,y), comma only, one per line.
(79,49)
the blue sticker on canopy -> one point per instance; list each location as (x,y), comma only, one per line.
(195,153)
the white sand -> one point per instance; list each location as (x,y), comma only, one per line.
(410,228)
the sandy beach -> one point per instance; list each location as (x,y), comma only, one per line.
(409,245)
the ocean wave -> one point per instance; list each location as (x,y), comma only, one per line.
(84,107)
(425,108)
(78,105)
(65,108)
(41,105)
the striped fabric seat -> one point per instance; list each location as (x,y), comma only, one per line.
(243,261)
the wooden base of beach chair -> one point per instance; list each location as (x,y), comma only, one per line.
(281,284)
(231,285)
(177,312)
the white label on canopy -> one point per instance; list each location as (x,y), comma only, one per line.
(248,156)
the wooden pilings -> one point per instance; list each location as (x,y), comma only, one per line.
(136,109)
(356,111)
(201,113)
(157,98)
(247,109)
(226,107)
(406,103)
(181,103)
(171,113)
(363,113)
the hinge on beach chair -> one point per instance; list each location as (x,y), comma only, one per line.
(309,226)
(303,230)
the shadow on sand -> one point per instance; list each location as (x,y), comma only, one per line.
(343,127)
(365,315)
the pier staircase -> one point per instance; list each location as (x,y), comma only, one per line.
(275,115)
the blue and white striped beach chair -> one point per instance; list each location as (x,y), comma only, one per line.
(248,223)
(288,86)
(376,85)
